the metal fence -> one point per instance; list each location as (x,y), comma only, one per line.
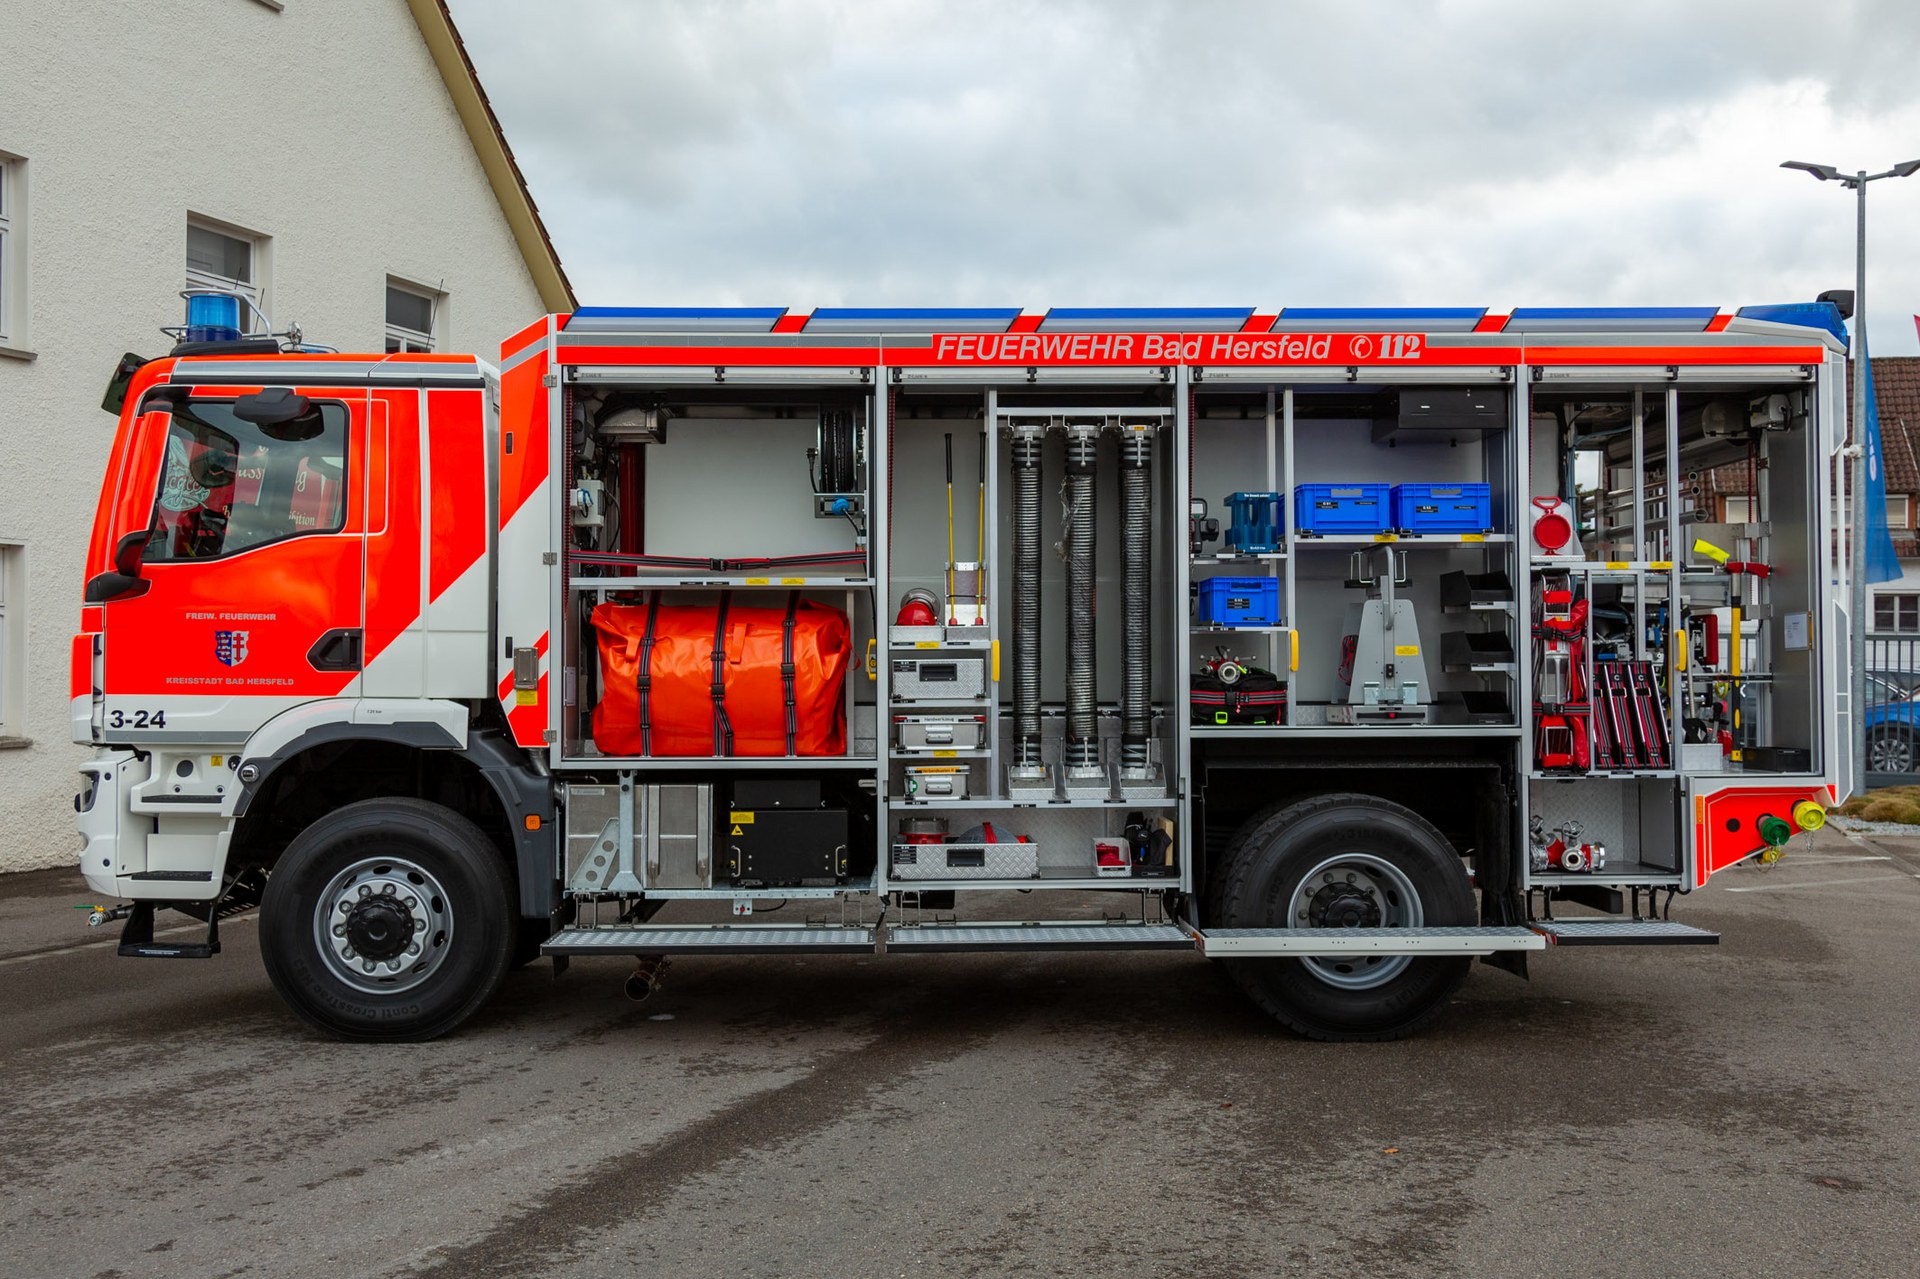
(1892,714)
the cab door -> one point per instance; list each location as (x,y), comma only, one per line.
(246,596)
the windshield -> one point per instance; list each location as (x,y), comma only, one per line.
(227,485)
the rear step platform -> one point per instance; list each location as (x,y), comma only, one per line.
(942,938)
(1255,942)
(716,939)
(1623,932)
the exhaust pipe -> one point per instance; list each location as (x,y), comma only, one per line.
(1083,728)
(1136,546)
(646,975)
(1026,444)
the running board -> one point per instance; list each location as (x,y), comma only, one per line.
(928,939)
(715,939)
(1623,932)
(1253,943)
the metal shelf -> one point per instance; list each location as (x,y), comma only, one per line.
(1261,557)
(1238,630)
(1159,801)
(712,582)
(1308,540)
(694,763)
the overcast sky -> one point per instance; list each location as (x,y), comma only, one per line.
(1030,153)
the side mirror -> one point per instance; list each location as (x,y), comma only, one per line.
(121,382)
(124,582)
(280,413)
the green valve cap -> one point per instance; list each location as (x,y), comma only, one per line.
(1775,831)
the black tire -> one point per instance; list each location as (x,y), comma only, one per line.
(1265,865)
(1890,750)
(473,911)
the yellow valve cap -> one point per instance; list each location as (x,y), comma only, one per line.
(1703,547)
(1809,816)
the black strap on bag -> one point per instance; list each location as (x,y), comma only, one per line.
(786,664)
(643,681)
(722,730)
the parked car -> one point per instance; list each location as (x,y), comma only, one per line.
(1893,725)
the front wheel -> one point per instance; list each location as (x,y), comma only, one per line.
(1890,750)
(1344,861)
(388,919)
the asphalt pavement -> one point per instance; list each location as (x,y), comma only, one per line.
(1697,1111)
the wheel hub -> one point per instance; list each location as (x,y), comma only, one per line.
(379,928)
(383,925)
(1344,906)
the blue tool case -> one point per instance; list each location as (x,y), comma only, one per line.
(1443,508)
(1342,508)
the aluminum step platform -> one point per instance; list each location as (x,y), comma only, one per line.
(1623,932)
(716,939)
(1256,942)
(944,938)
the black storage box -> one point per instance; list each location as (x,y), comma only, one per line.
(776,792)
(776,847)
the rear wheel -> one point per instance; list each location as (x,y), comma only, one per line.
(388,919)
(1344,861)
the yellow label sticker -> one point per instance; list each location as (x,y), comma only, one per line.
(926,643)
(1617,564)
(218,760)
(1406,650)
(526,697)
(1473,537)
(1661,565)
(740,819)
(757,581)
(1386,537)
(996,662)
(793,581)
(946,754)
(737,831)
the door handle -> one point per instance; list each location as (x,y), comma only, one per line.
(338,650)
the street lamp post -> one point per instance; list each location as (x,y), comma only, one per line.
(1857,551)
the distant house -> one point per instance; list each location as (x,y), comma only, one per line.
(1895,606)
(336,163)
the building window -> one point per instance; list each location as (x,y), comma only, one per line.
(13,251)
(1739,510)
(1896,614)
(227,259)
(13,648)
(1897,516)
(413,316)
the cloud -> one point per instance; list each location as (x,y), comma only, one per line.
(1457,152)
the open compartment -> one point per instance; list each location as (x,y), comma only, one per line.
(1695,554)
(1051,846)
(1636,821)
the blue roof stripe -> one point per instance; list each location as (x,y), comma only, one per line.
(1149,312)
(1384,313)
(1700,313)
(1006,313)
(1812,315)
(680,312)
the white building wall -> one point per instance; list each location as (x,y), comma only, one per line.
(324,126)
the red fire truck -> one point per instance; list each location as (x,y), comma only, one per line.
(1339,646)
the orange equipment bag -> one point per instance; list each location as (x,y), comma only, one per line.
(685,679)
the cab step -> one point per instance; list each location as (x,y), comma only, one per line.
(1251,943)
(713,939)
(1623,932)
(930,939)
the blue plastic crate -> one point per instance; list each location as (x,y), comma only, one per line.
(1343,508)
(1238,601)
(1443,508)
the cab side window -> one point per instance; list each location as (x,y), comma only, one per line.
(227,485)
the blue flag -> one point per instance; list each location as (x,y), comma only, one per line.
(1882,564)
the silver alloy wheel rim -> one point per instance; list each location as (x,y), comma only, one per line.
(1890,753)
(1393,893)
(413,890)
